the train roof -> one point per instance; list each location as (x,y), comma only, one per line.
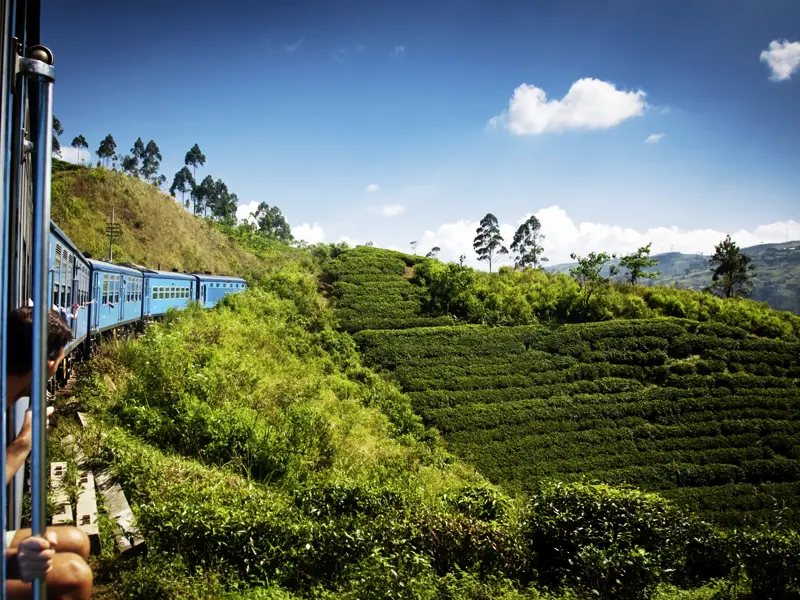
(206,277)
(68,242)
(155,274)
(101,265)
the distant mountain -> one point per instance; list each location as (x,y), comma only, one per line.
(777,273)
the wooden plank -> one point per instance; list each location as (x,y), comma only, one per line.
(118,509)
(87,511)
(57,472)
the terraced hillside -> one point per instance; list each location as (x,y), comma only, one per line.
(704,413)
(373,291)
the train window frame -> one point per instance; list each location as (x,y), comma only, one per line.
(104,286)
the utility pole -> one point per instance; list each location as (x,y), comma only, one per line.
(112,230)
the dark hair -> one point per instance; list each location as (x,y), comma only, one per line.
(20,339)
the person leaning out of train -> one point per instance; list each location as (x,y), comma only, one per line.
(61,555)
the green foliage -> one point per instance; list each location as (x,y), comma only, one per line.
(106,149)
(157,232)
(78,142)
(151,160)
(517,298)
(587,274)
(637,262)
(58,130)
(733,270)
(271,223)
(194,158)
(527,244)
(488,242)
(683,407)
(182,182)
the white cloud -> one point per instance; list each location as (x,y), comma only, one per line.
(391,210)
(783,59)
(589,104)
(398,51)
(294,46)
(70,155)
(564,236)
(243,211)
(372,187)
(654,138)
(313,234)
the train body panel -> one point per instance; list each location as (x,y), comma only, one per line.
(116,296)
(164,290)
(212,288)
(68,281)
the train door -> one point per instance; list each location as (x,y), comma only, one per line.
(203,293)
(123,285)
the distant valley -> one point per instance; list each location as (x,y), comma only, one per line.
(777,273)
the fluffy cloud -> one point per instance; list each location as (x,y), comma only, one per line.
(243,211)
(372,187)
(313,234)
(564,236)
(654,138)
(70,154)
(391,210)
(589,104)
(783,58)
(398,51)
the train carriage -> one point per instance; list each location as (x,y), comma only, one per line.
(117,296)
(212,288)
(164,290)
(69,284)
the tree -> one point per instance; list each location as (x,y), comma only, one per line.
(182,182)
(489,243)
(733,271)
(637,262)
(588,273)
(106,149)
(220,201)
(79,142)
(271,223)
(57,131)
(449,285)
(151,160)
(160,181)
(413,246)
(527,244)
(434,251)
(194,158)
(201,193)
(130,164)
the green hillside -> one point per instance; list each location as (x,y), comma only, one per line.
(777,267)
(156,231)
(265,459)
(699,409)
(702,413)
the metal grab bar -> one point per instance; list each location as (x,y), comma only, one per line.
(38,69)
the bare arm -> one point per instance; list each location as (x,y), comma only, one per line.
(17,452)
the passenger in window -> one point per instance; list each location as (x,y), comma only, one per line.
(62,554)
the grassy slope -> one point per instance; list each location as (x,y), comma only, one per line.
(156,230)
(665,401)
(263,461)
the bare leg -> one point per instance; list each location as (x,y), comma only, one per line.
(70,539)
(70,578)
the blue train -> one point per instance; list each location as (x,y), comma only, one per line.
(98,296)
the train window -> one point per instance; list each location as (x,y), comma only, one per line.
(116,289)
(105,290)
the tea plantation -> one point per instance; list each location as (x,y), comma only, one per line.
(372,291)
(703,413)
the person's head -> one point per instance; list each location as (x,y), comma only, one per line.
(19,359)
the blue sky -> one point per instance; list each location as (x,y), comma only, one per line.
(307,104)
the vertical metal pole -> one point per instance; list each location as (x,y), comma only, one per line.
(41,74)
(5,257)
